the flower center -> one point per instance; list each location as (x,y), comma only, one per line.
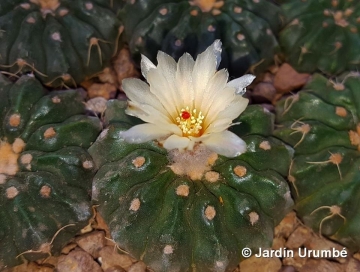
(189,121)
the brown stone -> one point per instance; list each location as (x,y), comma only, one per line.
(124,66)
(30,267)
(298,238)
(322,265)
(111,258)
(264,92)
(287,79)
(92,242)
(273,69)
(77,261)
(287,225)
(287,268)
(318,243)
(353,265)
(100,224)
(268,78)
(278,242)
(108,75)
(254,264)
(115,269)
(137,267)
(49,261)
(105,90)
(68,248)
(295,261)
(357,256)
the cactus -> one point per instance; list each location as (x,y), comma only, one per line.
(117,5)
(322,123)
(322,35)
(60,41)
(193,221)
(247,29)
(45,170)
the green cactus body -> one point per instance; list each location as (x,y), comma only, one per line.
(322,123)
(176,216)
(60,41)
(45,170)
(322,35)
(246,28)
(117,5)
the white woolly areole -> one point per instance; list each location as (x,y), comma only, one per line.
(2,179)
(187,103)
(192,163)
(8,159)
(18,145)
(181,190)
(168,249)
(210,212)
(135,204)
(11,192)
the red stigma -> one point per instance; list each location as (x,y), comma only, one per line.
(185,115)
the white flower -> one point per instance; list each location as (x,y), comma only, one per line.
(187,102)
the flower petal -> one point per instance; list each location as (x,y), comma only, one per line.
(146,65)
(183,79)
(217,52)
(218,126)
(234,109)
(224,119)
(222,101)
(241,83)
(143,133)
(162,84)
(205,67)
(138,91)
(147,113)
(225,143)
(175,141)
(214,90)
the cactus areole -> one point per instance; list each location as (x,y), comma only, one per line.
(45,170)
(60,41)
(322,122)
(182,192)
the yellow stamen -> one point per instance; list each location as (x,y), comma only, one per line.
(189,121)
